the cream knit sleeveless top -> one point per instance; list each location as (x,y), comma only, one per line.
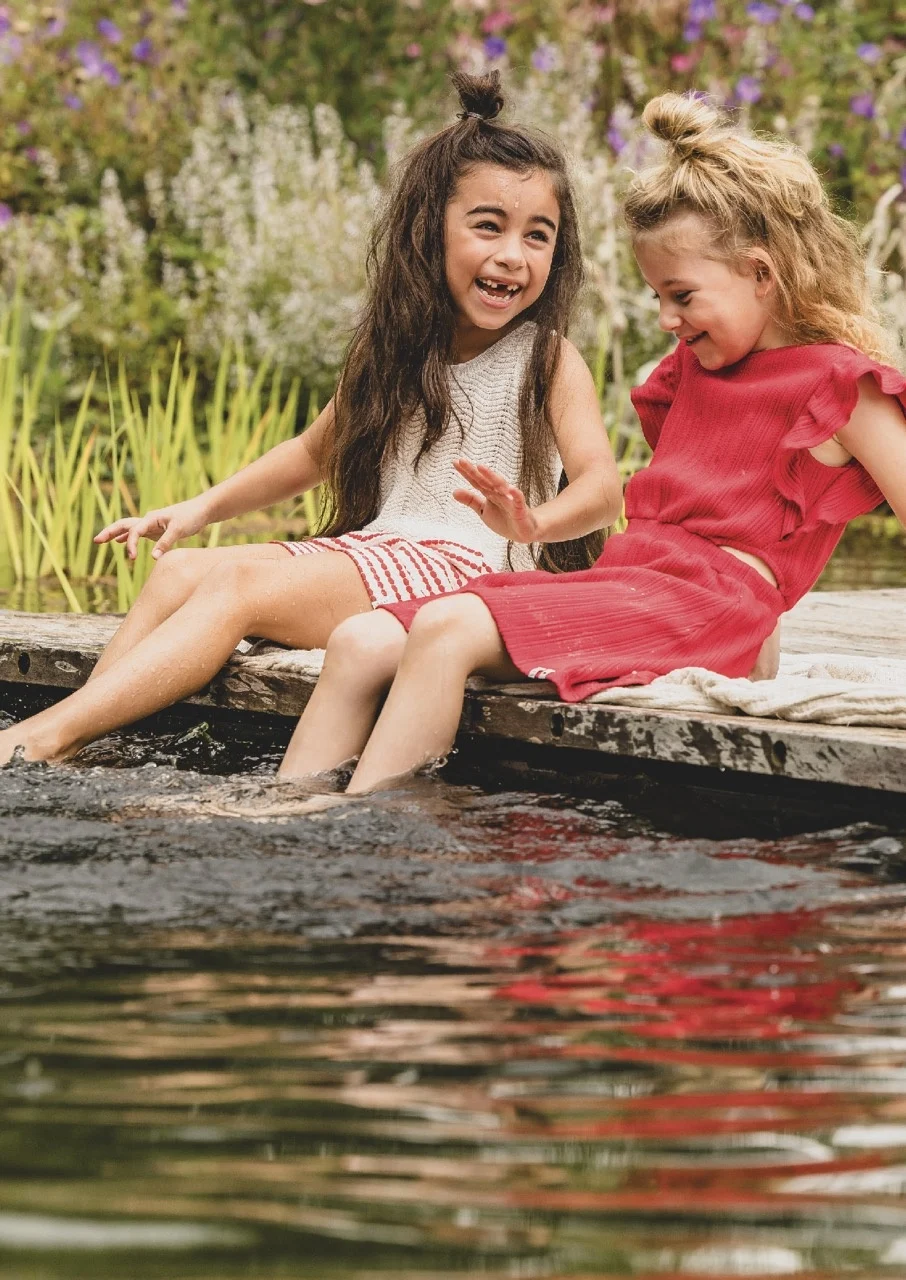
(417,502)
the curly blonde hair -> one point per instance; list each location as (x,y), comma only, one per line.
(760,194)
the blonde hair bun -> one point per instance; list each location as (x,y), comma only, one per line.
(689,127)
(763,202)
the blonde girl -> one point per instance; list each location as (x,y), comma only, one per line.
(475,266)
(774,421)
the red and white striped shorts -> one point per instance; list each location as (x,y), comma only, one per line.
(394,568)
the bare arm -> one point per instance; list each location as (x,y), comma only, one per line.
(876,435)
(593,497)
(284,471)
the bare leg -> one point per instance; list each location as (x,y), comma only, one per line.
(297,602)
(173,579)
(767,664)
(362,658)
(449,640)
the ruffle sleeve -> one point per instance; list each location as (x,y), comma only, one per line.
(652,400)
(851,491)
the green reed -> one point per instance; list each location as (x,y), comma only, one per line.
(150,448)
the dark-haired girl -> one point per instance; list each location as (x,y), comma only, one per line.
(474,268)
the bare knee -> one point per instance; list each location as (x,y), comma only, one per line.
(234,585)
(445,631)
(365,649)
(179,570)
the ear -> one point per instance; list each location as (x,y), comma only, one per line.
(762,269)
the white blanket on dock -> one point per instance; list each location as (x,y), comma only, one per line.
(826,688)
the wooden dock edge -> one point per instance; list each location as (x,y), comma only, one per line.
(59,651)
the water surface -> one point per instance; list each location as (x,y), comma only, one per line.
(447,1031)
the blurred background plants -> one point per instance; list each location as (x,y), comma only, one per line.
(187,185)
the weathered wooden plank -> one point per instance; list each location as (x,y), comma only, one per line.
(870,623)
(834,754)
(59,650)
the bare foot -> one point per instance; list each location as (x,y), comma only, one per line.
(29,746)
(251,799)
(10,743)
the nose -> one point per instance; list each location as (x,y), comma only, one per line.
(509,252)
(669,318)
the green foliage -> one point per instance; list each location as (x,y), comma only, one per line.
(200,175)
(153,449)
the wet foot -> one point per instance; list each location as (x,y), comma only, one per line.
(16,744)
(251,799)
(11,745)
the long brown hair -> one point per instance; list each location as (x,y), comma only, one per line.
(397,362)
(760,193)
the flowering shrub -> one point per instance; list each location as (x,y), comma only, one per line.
(142,202)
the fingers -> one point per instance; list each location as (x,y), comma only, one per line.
(469,499)
(493,485)
(116,532)
(481,477)
(144,528)
(165,542)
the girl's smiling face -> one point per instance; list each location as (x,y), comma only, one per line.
(500,234)
(721,312)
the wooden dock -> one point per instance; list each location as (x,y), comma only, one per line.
(59,650)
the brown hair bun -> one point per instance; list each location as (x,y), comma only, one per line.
(479,96)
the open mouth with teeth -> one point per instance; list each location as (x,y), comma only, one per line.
(498,289)
(690,342)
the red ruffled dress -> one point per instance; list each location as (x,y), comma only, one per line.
(731,467)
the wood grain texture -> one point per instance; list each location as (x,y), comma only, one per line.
(59,650)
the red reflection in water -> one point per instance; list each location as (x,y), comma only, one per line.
(691,980)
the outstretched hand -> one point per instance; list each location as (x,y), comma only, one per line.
(498,503)
(168,526)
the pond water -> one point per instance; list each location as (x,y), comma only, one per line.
(447,1031)
(452,1030)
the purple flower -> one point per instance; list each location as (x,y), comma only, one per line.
(111,74)
(90,57)
(5,25)
(836,149)
(110,31)
(33,154)
(761,12)
(616,140)
(615,136)
(23,127)
(494,47)
(6,214)
(902,138)
(863,104)
(143,50)
(55,27)
(544,58)
(10,50)
(805,12)
(870,53)
(702,10)
(180,7)
(691,32)
(73,101)
(747,89)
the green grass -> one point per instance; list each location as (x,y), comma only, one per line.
(126,451)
